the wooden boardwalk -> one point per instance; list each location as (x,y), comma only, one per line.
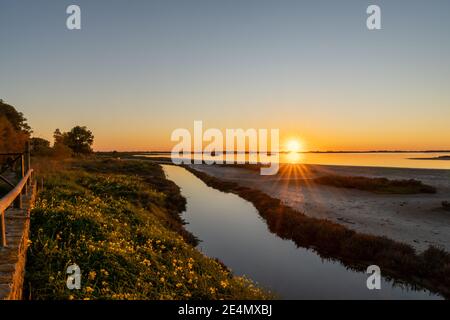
(13,257)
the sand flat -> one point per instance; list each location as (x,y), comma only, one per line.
(418,219)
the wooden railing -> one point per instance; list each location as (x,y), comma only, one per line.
(14,197)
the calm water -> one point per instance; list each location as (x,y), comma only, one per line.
(231,229)
(398,160)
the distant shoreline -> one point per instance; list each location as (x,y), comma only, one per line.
(434,158)
(330,152)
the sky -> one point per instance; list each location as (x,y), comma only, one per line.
(137,70)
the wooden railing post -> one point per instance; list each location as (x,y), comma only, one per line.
(27,156)
(25,189)
(3,228)
(22,166)
(28,163)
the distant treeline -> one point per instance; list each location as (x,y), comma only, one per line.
(15,132)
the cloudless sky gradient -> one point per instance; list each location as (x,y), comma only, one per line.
(139,69)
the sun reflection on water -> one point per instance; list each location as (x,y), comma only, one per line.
(294,157)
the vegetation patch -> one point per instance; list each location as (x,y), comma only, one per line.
(429,269)
(377,185)
(115,220)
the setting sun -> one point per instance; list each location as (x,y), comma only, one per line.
(293,145)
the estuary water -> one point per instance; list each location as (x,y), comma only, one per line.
(231,230)
(416,160)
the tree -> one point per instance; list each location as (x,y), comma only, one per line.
(11,140)
(79,139)
(40,146)
(58,136)
(14,131)
(17,120)
(60,149)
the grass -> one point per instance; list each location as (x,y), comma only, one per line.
(376,185)
(429,269)
(119,222)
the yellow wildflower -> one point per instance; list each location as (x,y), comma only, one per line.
(146,262)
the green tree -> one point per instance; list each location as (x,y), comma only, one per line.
(58,137)
(40,146)
(14,131)
(79,139)
(60,149)
(17,120)
(11,140)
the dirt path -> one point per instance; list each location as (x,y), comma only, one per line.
(418,220)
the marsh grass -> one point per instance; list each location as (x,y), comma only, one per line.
(116,220)
(399,262)
(376,185)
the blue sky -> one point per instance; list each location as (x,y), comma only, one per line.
(139,69)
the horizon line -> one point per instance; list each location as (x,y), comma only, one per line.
(284,151)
